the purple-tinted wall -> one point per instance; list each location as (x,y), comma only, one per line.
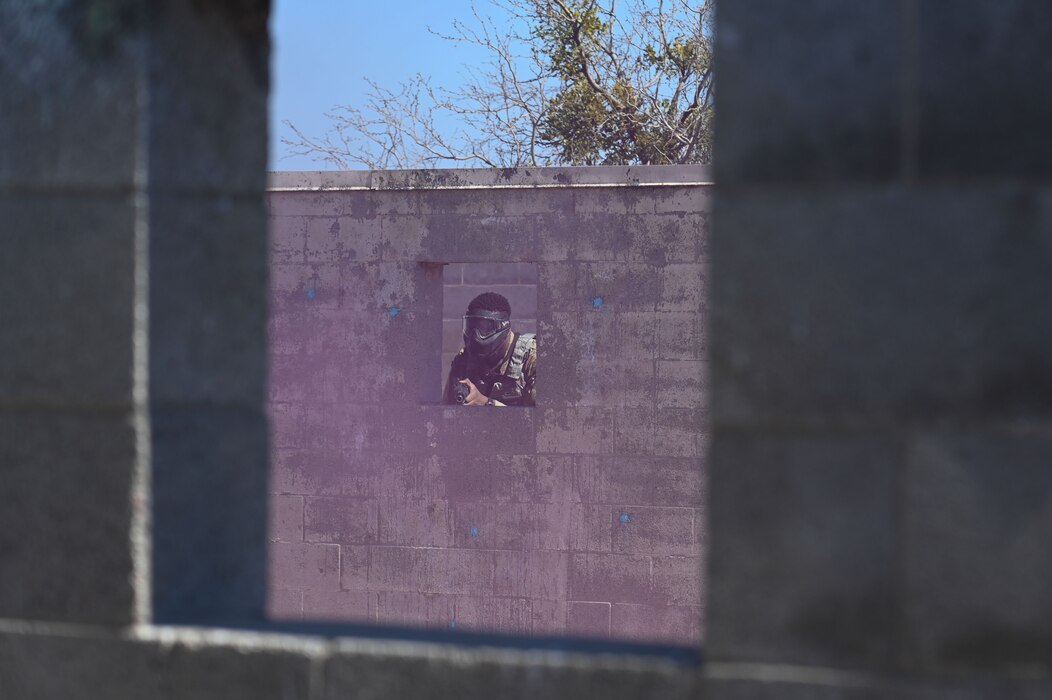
(583,515)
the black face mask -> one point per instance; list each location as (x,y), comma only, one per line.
(484,333)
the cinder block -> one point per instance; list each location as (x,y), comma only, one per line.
(847,57)
(683,287)
(680,336)
(339,606)
(208,107)
(323,472)
(678,581)
(512,526)
(602,237)
(302,288)
(660,239)
(492,431)
(616,286)
(491,273)
(742,686)
(354,567)
(653,623)
(556,288)
(306,565)
(591,529)
(506,615)
(977,510)
(990,60)
(588,619)
(415,609)
(802,560)
(65,527)
(654,481)
(681,384)
(610,577)
(418,429)
(70,89)
(654,531)
(286,518)
(547,575)
(452,274)
(306,203)
(209,483)
(288,239)
(371,677)
(67,274)
(615,383)
(340,520)
(483,237)
(284,603)
(533,478)
(410,238)
(128,669)
(956,321)
(409,476)
(548,617)
(636,432)
(418,523)
(636,335)
(681,432)
(585,430)
(335,426)
(342,239)
(446,571)
(286,425)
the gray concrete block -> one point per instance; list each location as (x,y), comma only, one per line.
(764,687)
(66,277)
(69,85)
(802,549)
(603,287)
(983,76)
(65,522)
(209,79)
(485,237)
(481,676)
(890,303)
(86,666)
(808,91)
(977,513)
(209,513)
(208,278)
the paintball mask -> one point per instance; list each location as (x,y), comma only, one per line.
(484,333)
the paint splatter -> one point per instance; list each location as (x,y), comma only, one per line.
(394,311)
(452,624)
(598,303)
(625,518)
(474,532)
(311,293)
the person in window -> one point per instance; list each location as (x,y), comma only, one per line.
(496,366)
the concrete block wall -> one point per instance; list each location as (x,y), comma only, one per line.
(882,419)
(581,516)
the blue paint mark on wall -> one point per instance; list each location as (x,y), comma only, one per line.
(452,624)
(474,532)
(394,311)
(625,517)
(311,293)
(598,303)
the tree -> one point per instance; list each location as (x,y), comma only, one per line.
(569,82)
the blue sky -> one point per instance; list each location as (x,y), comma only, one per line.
(323,49)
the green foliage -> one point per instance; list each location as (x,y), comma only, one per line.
(578,82)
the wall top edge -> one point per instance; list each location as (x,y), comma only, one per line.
(491,178)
